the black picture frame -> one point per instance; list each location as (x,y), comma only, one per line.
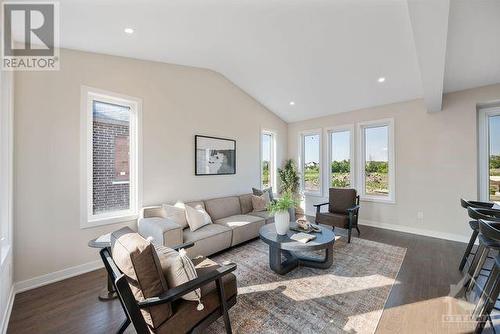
(230,169)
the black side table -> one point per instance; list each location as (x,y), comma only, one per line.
(104,241)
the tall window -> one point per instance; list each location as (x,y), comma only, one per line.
(111,159)
(267,162)
(340,158)
(489,140)
(377,160)
(311,162)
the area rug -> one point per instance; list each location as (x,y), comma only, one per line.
(348,297)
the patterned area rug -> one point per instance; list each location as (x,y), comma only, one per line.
(348,297)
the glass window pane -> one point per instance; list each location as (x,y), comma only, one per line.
(266,160)
(494,154)
(311,163)
(110,153)
(377,161)
(341,159)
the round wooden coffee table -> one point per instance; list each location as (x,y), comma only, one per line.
(282,245)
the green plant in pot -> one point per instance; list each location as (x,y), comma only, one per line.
(279,209)
(289,183)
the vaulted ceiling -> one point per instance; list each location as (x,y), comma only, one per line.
(324,55)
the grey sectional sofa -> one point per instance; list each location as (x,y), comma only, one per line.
(233,219)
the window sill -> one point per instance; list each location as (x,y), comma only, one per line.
(377,200)
(318,194)
(108,221)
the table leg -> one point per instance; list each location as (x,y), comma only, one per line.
(324,263)
(109,292)
(278,266)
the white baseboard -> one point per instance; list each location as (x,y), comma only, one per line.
(412,230)
(6,316)
(56,276)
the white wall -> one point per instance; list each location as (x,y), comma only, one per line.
(436,162)
(6,164)
(178,102)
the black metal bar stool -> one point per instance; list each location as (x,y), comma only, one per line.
(489,235)
(492,217)
(474,225)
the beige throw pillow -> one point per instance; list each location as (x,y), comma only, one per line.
(177,213)
(260,203)
(178,269)
(197,217)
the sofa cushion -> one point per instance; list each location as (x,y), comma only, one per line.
(186,315)
(341,199)
(137,259)
(244,227)
(260,203)
(208,240)
(333,219)
(264,214)
(219,208)
(246,203)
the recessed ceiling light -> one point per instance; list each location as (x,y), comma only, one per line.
(129,30)
(292,103)
(381,79)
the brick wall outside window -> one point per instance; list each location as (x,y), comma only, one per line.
(110,162)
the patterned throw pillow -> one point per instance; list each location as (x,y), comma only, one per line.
(178,269)
(258,192)
(260,203)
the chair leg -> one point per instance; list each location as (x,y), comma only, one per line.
(487,300)
(357,229)
(472,240)
(476,269)
(349,235)
(223,303)
(123,326)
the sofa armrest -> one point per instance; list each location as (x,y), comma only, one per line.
(163,231)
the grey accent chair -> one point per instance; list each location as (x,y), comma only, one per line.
(343,210)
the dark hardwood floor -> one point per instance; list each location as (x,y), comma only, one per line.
(415,304)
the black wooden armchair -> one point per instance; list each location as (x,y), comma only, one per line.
(214,281)
(343,210)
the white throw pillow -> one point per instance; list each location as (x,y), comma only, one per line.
(178,269)
(177,213)
(197,217)
(260,203)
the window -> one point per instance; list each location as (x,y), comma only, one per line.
(340,159)
(376,161)
(489,164)
(311,162)
(267,161)
(111,140)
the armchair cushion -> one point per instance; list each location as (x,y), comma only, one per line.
(333,219)
(137,259)
(341,199)
(185,315)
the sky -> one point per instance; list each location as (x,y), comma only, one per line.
(266,147)
(495,135)
(376,145)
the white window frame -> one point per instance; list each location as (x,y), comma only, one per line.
(328,154)
(6,163)
(484,150)
(88,219)
(389,122)
(302,134)
(272,169)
